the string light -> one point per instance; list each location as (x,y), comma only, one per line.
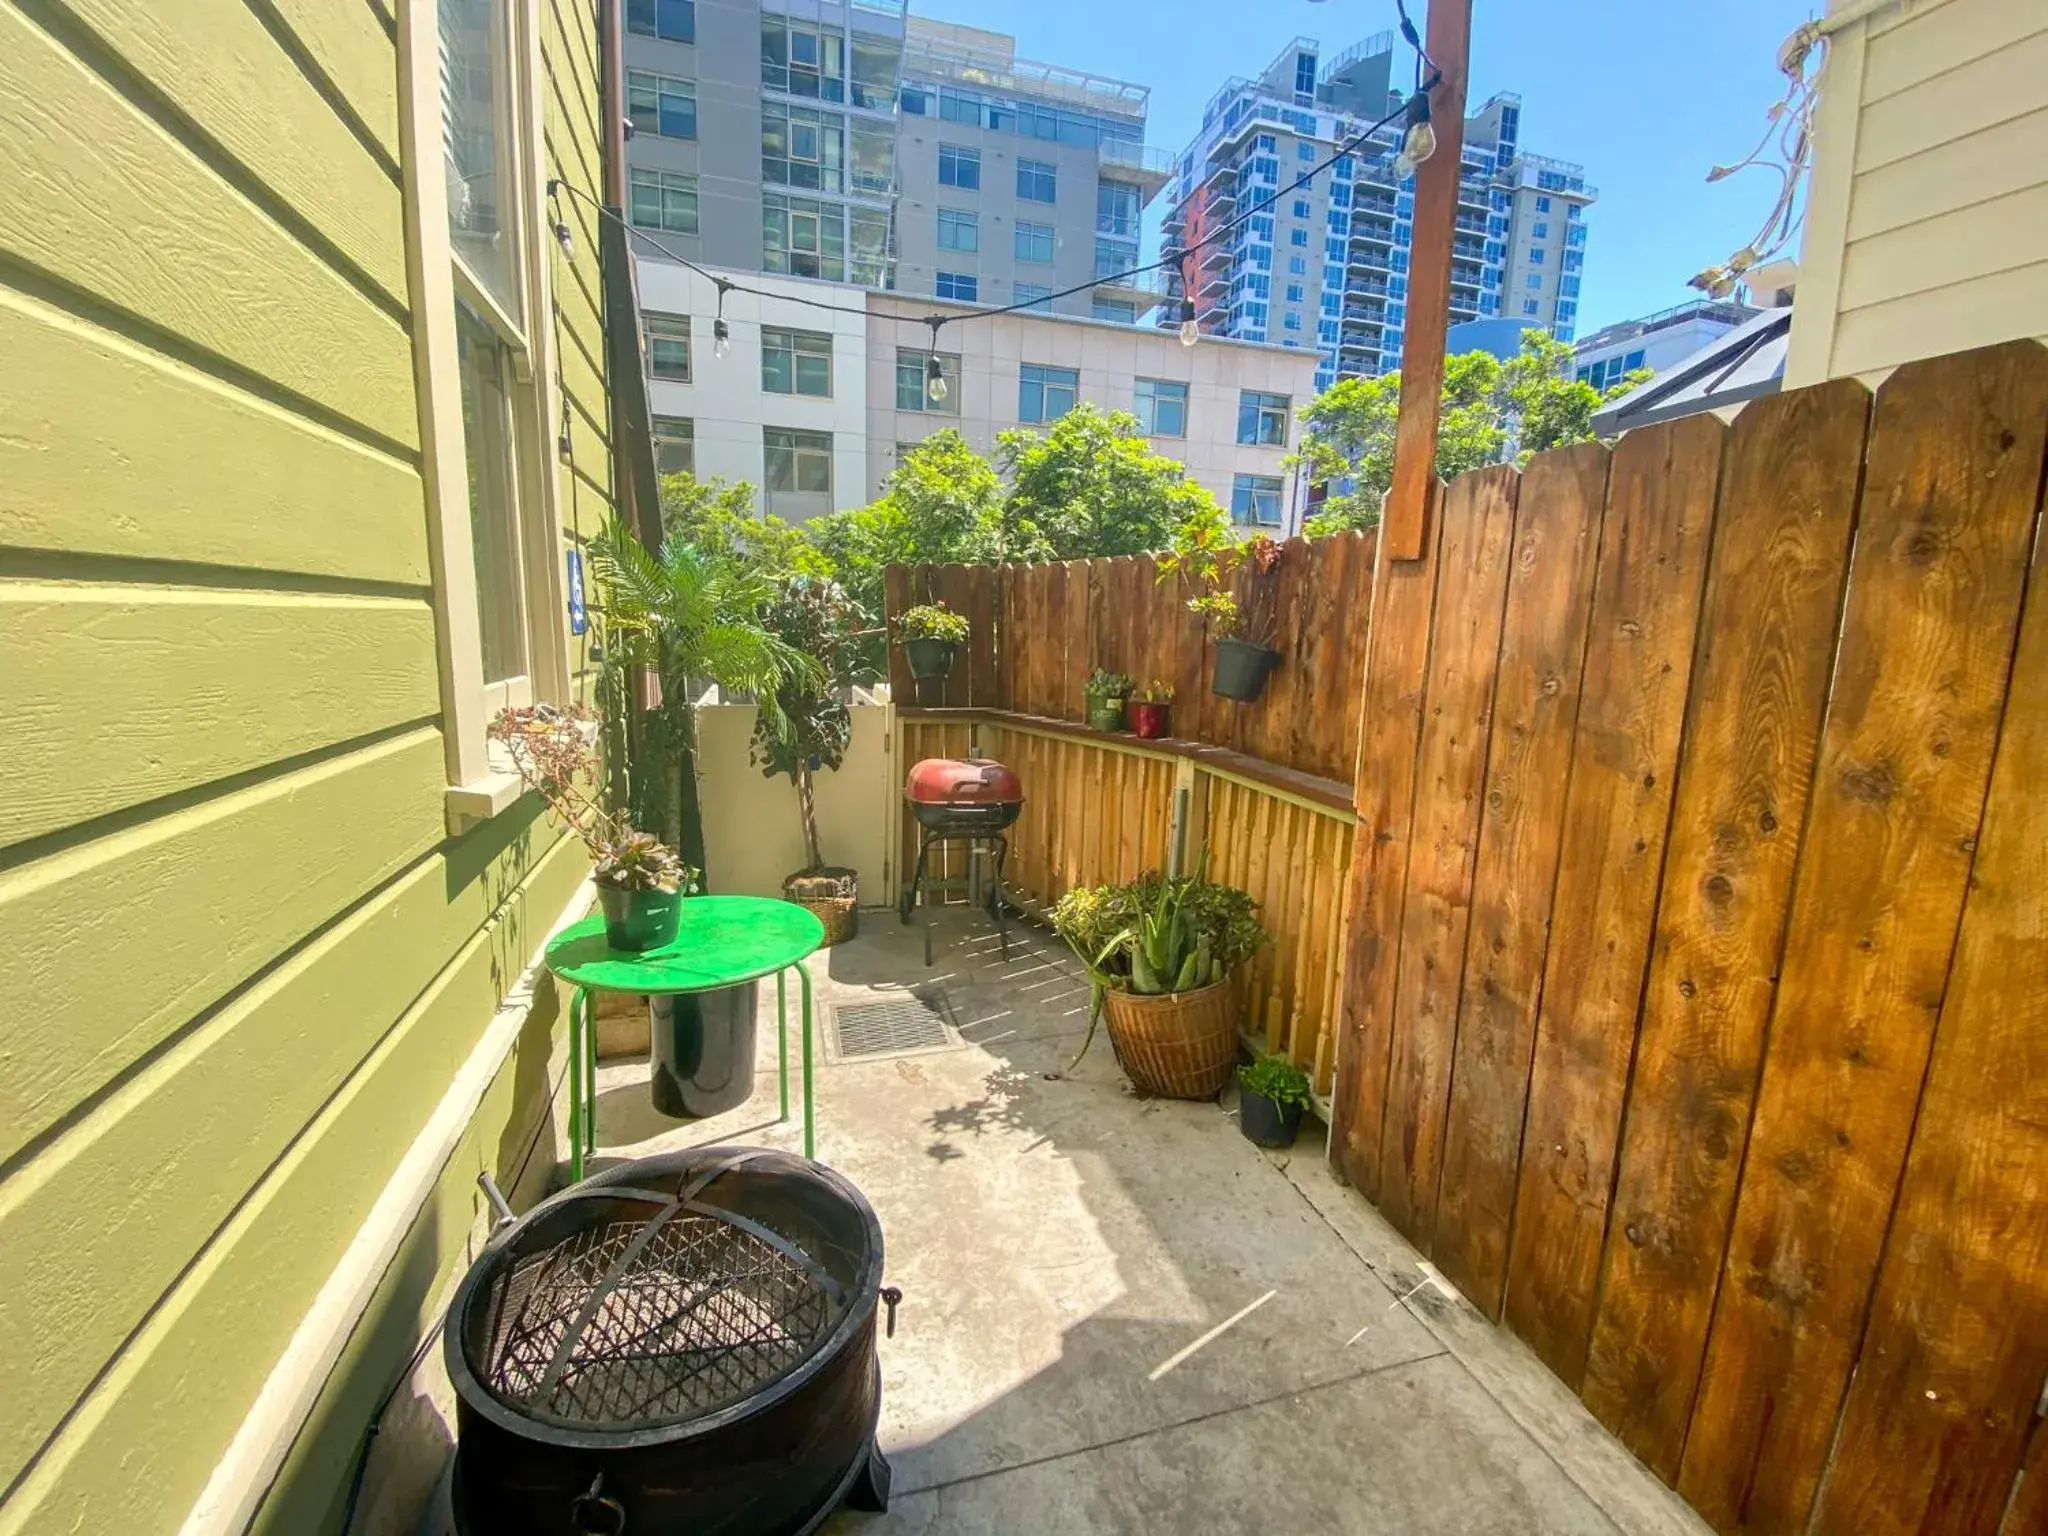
(1418,142)
(1788,128)
(934,374)
(1190,327)
(721,333)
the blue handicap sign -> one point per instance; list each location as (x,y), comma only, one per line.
(579,618)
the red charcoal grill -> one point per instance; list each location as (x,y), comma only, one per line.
(970,800)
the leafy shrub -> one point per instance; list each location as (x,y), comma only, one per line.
(932,621)
(1103,685)
(1275,1077)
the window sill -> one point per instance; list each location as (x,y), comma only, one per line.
(469,806)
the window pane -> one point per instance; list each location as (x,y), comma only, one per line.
(675,444)
(813,375)
(473,94)
(493,510)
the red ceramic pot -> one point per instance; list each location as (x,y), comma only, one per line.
(1152,721)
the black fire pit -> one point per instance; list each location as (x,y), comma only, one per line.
(684,1344)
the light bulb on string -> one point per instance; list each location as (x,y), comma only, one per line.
(934,371)
(1418,139)
(721,333)
(1190,327)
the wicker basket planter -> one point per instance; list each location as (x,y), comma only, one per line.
(1178,1045)
(830,895)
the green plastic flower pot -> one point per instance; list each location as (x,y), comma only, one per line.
(640,920)
(1106,714)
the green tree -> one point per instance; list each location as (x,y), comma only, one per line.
(1090,485)
(1489,411)
(718,519)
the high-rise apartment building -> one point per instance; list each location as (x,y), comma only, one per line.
(1325,268)
(852,143)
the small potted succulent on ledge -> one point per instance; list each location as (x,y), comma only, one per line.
(1271,1094)
(1162,955)
(1206,556)
(1151,710)
(930,634)
(1106,693)
(640,881)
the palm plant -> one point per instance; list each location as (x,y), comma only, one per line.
(687,620)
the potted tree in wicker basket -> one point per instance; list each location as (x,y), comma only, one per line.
(1162,954)
(807,733)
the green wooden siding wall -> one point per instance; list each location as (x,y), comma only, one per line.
(242,957)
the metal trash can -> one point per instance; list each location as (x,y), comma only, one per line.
(703,1050)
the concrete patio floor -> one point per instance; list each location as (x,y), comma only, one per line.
(1119,1315)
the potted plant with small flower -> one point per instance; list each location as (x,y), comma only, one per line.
(1106,693)
(1271,1094)
(931,634)
(1151,710)
(1206,556)
(641,882)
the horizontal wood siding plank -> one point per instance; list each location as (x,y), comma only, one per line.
(1977,312)
(183,687)
(224,70)
(1908,44)
(137,1453)
(1952,479)
(189,1137)
(357,56)
(105,200)
(1955,105)
(99,459)
(1985,238)
(2003,159)
(223,898)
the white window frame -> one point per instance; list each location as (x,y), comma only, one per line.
(481,782)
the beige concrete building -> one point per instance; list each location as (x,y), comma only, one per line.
(1223,408)
(1927,225)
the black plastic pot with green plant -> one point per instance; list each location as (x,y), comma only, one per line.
(1271,1094)
(1106,693)
(931,635)
(1236,597)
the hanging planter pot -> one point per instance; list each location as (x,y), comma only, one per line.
(637,921)
(1242,669)
(930,660)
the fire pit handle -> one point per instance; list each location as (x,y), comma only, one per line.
(597,1514)
(891,1296)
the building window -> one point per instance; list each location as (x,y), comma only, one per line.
(1297,237)
(661,105)
(803,59)
(796,362)
(960,167)
(1541,231)
(1262,418)
(1632,362)
(1305,85)
(1291,321)
(1301,208)
(1122,311)
(1543,205)
(1255,500)
(668,347)
(664,200)
(964,287)
(675,445)
(913,381)
(1531,307)
(1161,406)
(1294,293)
(1535,255)
(1304,151)
(803,147)
(1046,394)
(958,231)
(1037,182)
(802,236)
(1037,296)
(1117,208)
(797,461)
(673,20)
(1034,242)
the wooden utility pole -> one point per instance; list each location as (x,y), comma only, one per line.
(1449,43)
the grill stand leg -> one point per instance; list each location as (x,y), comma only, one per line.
(870,1490)
(995,895)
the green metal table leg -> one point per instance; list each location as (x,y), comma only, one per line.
(576,1086)
(782,1037)
(590,1074)
(810,1137)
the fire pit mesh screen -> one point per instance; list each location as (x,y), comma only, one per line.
(636,1323)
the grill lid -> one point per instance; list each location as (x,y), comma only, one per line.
(654,1309)
(962,781)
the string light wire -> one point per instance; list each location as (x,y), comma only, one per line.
(1785,147)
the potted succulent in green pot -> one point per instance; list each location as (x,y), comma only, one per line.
(641,882)
(1271,1094)
(1162,955)
(1106,693)
(931,634)
(1151,710)
(1236,595)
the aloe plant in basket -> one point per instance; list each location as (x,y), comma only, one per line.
(641,882)
(1161,954)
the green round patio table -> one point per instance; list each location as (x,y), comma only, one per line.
(721,941)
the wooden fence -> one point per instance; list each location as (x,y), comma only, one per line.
(1038,630)
(1696,990)
(1100,808)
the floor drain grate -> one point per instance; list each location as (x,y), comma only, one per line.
(889,1029)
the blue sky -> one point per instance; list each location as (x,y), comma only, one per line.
(1646,94)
